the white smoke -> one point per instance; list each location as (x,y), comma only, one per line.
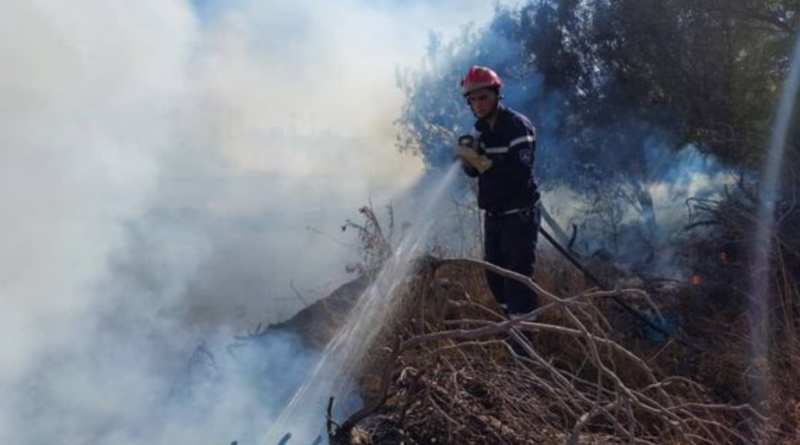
(85,105)
(158,167)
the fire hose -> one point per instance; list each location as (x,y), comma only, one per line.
(596,281)
(480,164)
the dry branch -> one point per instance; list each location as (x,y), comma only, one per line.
(472,377)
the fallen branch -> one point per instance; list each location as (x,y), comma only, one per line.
(473,380)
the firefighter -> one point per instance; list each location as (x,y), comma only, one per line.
(500,153)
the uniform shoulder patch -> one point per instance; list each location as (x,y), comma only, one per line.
(526,155)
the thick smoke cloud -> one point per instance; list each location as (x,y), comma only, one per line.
(85,104)
(159,164)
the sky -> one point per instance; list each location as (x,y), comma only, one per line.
(166,168)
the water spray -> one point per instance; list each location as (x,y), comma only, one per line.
(331,378)
(760,268)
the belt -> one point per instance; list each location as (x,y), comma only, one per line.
(506,212)
(503,213)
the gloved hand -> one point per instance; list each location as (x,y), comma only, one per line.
(470,157)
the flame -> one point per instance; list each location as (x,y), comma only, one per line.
(722,256)
(696,279)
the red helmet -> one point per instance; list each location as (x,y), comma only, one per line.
(480,77)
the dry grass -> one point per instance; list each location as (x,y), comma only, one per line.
(727,226)
(461,374)
(450,370)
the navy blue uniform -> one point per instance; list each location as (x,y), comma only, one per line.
(508,192)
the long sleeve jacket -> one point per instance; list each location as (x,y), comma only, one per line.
(511,182)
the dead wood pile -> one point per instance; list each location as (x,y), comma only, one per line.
(451,370)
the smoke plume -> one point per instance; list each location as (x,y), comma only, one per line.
(161,165)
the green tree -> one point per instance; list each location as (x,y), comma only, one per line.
(613,85)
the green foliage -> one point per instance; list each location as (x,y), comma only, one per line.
(716,65)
